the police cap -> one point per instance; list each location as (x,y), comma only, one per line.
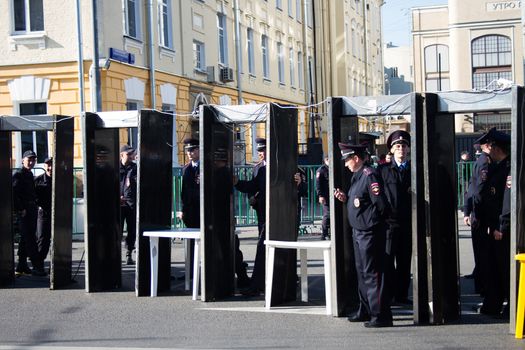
(190,144)
(260,144)
(126,149)
(398,136)
(348,150)
(495,136)
(29,154)
(48,160)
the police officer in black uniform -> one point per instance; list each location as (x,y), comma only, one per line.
(396,179)
(498,244)
(190,192)
(322,188)
(128,198)
(256,190)
(43,187)
(367,209)
(24,197)
(475,213)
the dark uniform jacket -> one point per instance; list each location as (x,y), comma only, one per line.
(492,194)
(397,190)
(473,199)
(43,190)
(367,205)
(256,190)
(128,183)
(504,218)
(321,182)
(190,195)
(23,189)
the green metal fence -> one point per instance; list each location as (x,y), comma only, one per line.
(244,214)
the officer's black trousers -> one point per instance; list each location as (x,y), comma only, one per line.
(369,250)
(129,215)
(498,273)
(27,247)
(480,246)
(399,258)
(325,224)
(257,282)
(43,235)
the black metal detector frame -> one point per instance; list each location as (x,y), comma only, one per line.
(217,244)
(102,197)
(434,223)
(62,195)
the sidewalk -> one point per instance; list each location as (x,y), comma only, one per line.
(35,317)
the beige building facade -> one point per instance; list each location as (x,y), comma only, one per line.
(192,54)
(469,45)
(349,51)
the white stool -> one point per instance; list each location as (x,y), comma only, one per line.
(302,246)
(185,233)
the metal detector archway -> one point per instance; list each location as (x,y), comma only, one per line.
(217,228)
(102,196)
(434,219)
(62,195)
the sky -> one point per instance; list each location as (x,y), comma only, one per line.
(396,19)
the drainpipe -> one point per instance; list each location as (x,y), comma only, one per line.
(80,59)
(151,55)
(96,94)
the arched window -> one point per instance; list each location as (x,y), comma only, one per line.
(437,75)
(491,60)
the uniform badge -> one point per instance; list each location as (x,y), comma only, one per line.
(509,181)
(318,175)
(493,191)
(374,187)
(357,203)
(483,175)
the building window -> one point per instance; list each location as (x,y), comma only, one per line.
(133,21)
(309,14)
(437,75)
(290,8)
(34,140)
(484,122)
(251,57)
(300,70)
(279,4)
(292,66)
(280,62)
(199,60)
(165,24)
(265,58)
(491,60)
(222,38)
(354,39)
(28,15)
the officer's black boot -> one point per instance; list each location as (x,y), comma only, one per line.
(22,269)
(129,260)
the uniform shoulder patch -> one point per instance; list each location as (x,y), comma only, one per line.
(367,171)
(375,189)
(318,174)
(484,175)
(509,181)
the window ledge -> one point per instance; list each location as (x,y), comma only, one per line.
(35,38)
(267,81)
(200,71)
(167,52)
(130,42)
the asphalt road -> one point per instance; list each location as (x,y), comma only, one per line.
(34,317)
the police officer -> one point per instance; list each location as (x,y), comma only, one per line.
(475,213)
(256,190)
(367,208)
(498,244)
(322,189)
(396,179)
(128,198)
(190,192)
(43,188)
(24,197)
